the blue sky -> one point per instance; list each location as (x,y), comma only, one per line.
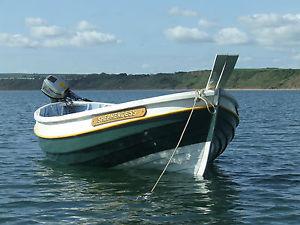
(140,36)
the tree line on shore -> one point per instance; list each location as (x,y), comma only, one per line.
(268,78)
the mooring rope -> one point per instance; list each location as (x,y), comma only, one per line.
(198,95)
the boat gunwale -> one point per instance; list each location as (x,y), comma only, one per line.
(118,123)
(113,107)
(114,124)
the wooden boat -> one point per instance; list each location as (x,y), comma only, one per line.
(141,133)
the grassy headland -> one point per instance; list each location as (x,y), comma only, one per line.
(269,78)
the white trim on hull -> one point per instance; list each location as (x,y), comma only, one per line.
(80,123)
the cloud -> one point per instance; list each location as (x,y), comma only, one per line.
(84,25)
(184,34)
(82,39)
(273,30)
(270,30)
(175,11)
(231,36)
(226,36)
(206,23)
(46,31)
(270,20)
(16,40)
(43,34)
(39,28)
(56,42)
(88,38)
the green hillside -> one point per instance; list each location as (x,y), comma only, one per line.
(270,78)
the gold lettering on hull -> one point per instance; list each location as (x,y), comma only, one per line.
(119,115)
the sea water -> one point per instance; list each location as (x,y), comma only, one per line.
(255,181)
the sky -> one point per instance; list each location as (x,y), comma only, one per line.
(146,36)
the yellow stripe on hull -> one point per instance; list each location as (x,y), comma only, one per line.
(117,123)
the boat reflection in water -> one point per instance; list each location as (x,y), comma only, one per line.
(110,195)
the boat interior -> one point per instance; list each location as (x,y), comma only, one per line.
(64,108)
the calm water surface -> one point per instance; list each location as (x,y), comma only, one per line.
(255,181)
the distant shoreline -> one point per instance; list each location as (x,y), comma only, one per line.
(241,79)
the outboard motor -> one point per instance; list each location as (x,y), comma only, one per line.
(58,90)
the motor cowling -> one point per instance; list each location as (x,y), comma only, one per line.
(55,88)
(58,90)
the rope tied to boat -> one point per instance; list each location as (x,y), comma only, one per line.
(199,95)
